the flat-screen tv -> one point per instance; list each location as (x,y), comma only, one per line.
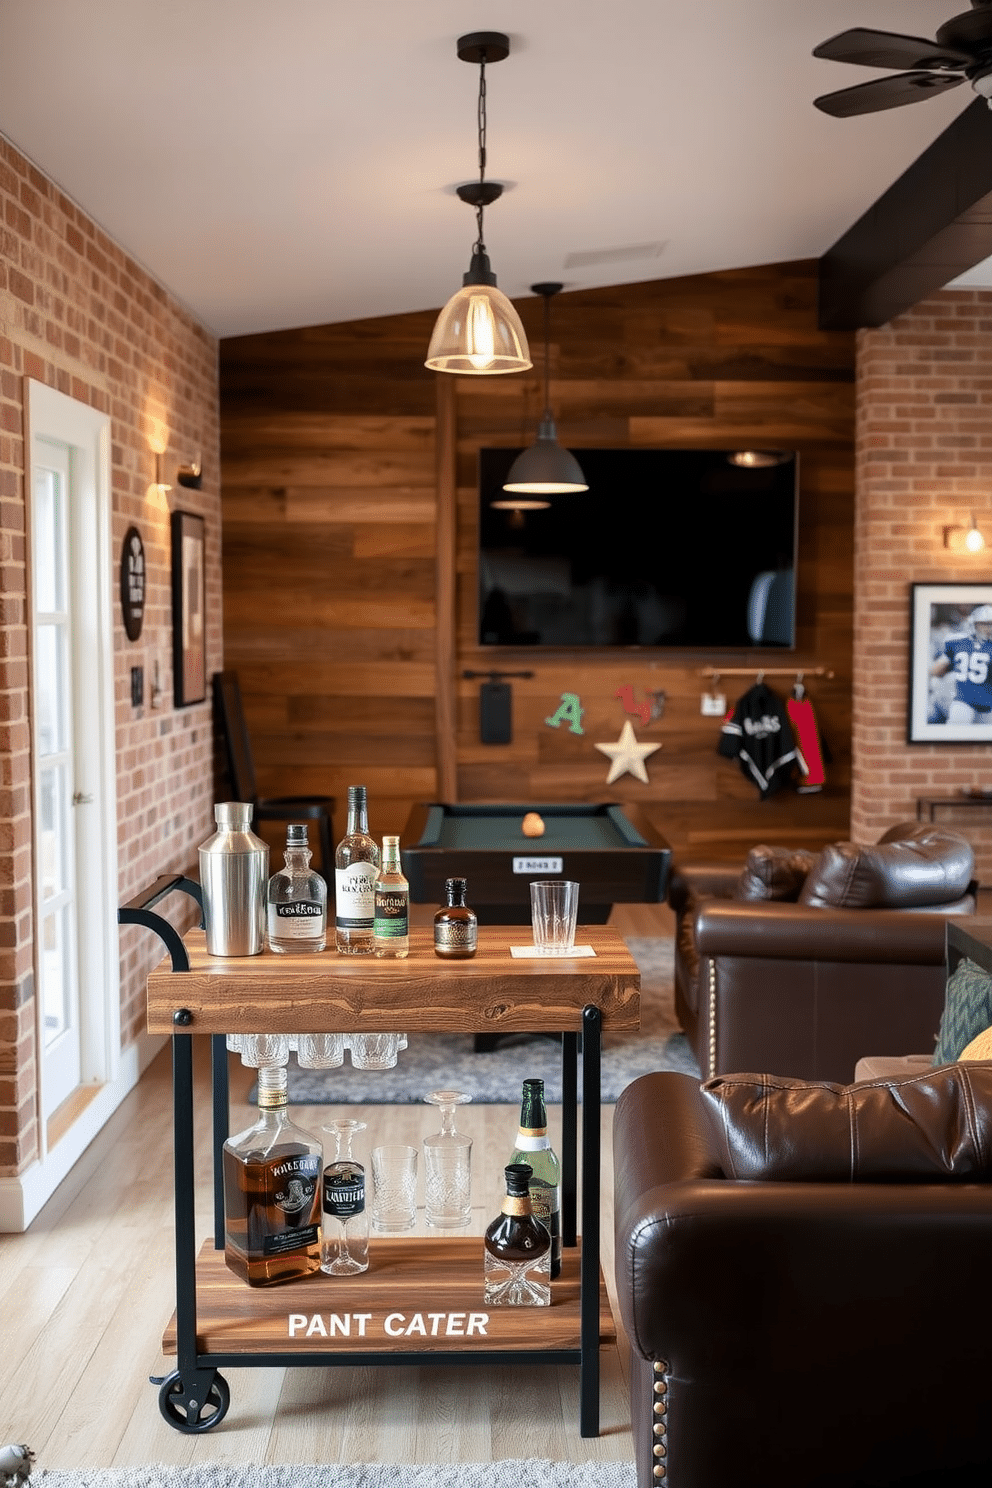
(667,548)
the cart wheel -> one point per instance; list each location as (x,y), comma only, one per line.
(193,1415)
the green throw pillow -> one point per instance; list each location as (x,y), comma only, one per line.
(967,1010)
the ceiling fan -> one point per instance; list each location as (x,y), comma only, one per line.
(962,52)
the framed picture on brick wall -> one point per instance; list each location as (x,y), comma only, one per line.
(189,663)
(950,679)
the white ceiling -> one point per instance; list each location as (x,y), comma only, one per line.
(292,162)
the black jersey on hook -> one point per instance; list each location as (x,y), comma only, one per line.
(758,736)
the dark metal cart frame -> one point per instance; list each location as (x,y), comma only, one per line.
(195,1396)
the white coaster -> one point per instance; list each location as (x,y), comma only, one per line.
(532,953)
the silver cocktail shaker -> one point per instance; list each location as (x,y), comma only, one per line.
(234,869)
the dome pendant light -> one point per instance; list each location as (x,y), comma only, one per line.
(478,333)
(546,469)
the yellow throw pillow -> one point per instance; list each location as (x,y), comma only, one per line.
(980,1046)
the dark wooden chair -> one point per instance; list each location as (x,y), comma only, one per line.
(241,772)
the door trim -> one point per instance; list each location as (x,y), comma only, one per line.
(55,416)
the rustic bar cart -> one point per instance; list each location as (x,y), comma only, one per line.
(220,1322)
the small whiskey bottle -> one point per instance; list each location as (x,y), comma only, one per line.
(272,1192)
(533,1146)
(344,1247)
(296,899)
(517,1249)
(356,866)
(391,921)
(456,929)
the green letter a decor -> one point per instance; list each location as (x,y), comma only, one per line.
(569,711)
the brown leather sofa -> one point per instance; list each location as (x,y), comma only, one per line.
(831,1329)
(850,963)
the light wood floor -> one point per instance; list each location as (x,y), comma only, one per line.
(86,1292)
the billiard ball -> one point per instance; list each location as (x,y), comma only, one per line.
(532,825)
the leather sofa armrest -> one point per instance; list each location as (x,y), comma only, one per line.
(797,932)
(691,1263)
(641,1161)
(701,881)
(696,1252)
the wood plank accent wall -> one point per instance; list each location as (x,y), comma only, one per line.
(337,451)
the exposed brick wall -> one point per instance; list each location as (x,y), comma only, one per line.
(78,314)
(924,460)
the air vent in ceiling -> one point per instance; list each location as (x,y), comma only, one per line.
(594,257)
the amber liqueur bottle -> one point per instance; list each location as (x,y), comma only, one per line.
(272,1192)
(456,928)
(517,1249)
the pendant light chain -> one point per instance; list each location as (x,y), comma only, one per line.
(481,124)
(547,356)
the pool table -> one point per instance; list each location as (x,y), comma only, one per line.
(611,851)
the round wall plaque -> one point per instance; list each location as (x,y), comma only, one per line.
(133,583)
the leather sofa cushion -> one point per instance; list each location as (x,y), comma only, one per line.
(928,1127)
(967,1010)
(932,867)
(773,873)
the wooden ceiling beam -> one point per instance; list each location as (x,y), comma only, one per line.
(932,224)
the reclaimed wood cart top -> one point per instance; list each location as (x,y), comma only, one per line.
(492,992)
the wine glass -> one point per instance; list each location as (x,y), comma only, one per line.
(448,1163)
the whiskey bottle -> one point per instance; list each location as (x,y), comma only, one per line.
(533,1146)
(356,866)
(344,1247)
(272,1192)
(456,929)
(296,899)
(391,918)
(517,1249)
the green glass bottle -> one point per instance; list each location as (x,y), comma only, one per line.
(533,1146)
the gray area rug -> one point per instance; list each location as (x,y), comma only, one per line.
(449,1061)
(531,1473)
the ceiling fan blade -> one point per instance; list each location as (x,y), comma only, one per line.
(886,93)
(887,49)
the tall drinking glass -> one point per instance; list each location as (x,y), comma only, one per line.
(554,905)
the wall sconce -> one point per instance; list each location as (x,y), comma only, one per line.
(161,483)
(191,476)
(971,542)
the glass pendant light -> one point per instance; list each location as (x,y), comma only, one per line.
(545,469)
(478,333)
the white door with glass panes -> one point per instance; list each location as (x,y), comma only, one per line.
(72,738)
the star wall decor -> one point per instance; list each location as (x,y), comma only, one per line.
(627,755)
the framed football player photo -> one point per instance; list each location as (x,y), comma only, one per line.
(950,683)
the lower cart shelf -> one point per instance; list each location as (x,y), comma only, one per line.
(423,1295)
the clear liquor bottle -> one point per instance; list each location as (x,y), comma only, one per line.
(356,867)
(391,917)
(456,928)
(344,1247)
(272,1192)
(296,899)
(517,1249)
(533,1146)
